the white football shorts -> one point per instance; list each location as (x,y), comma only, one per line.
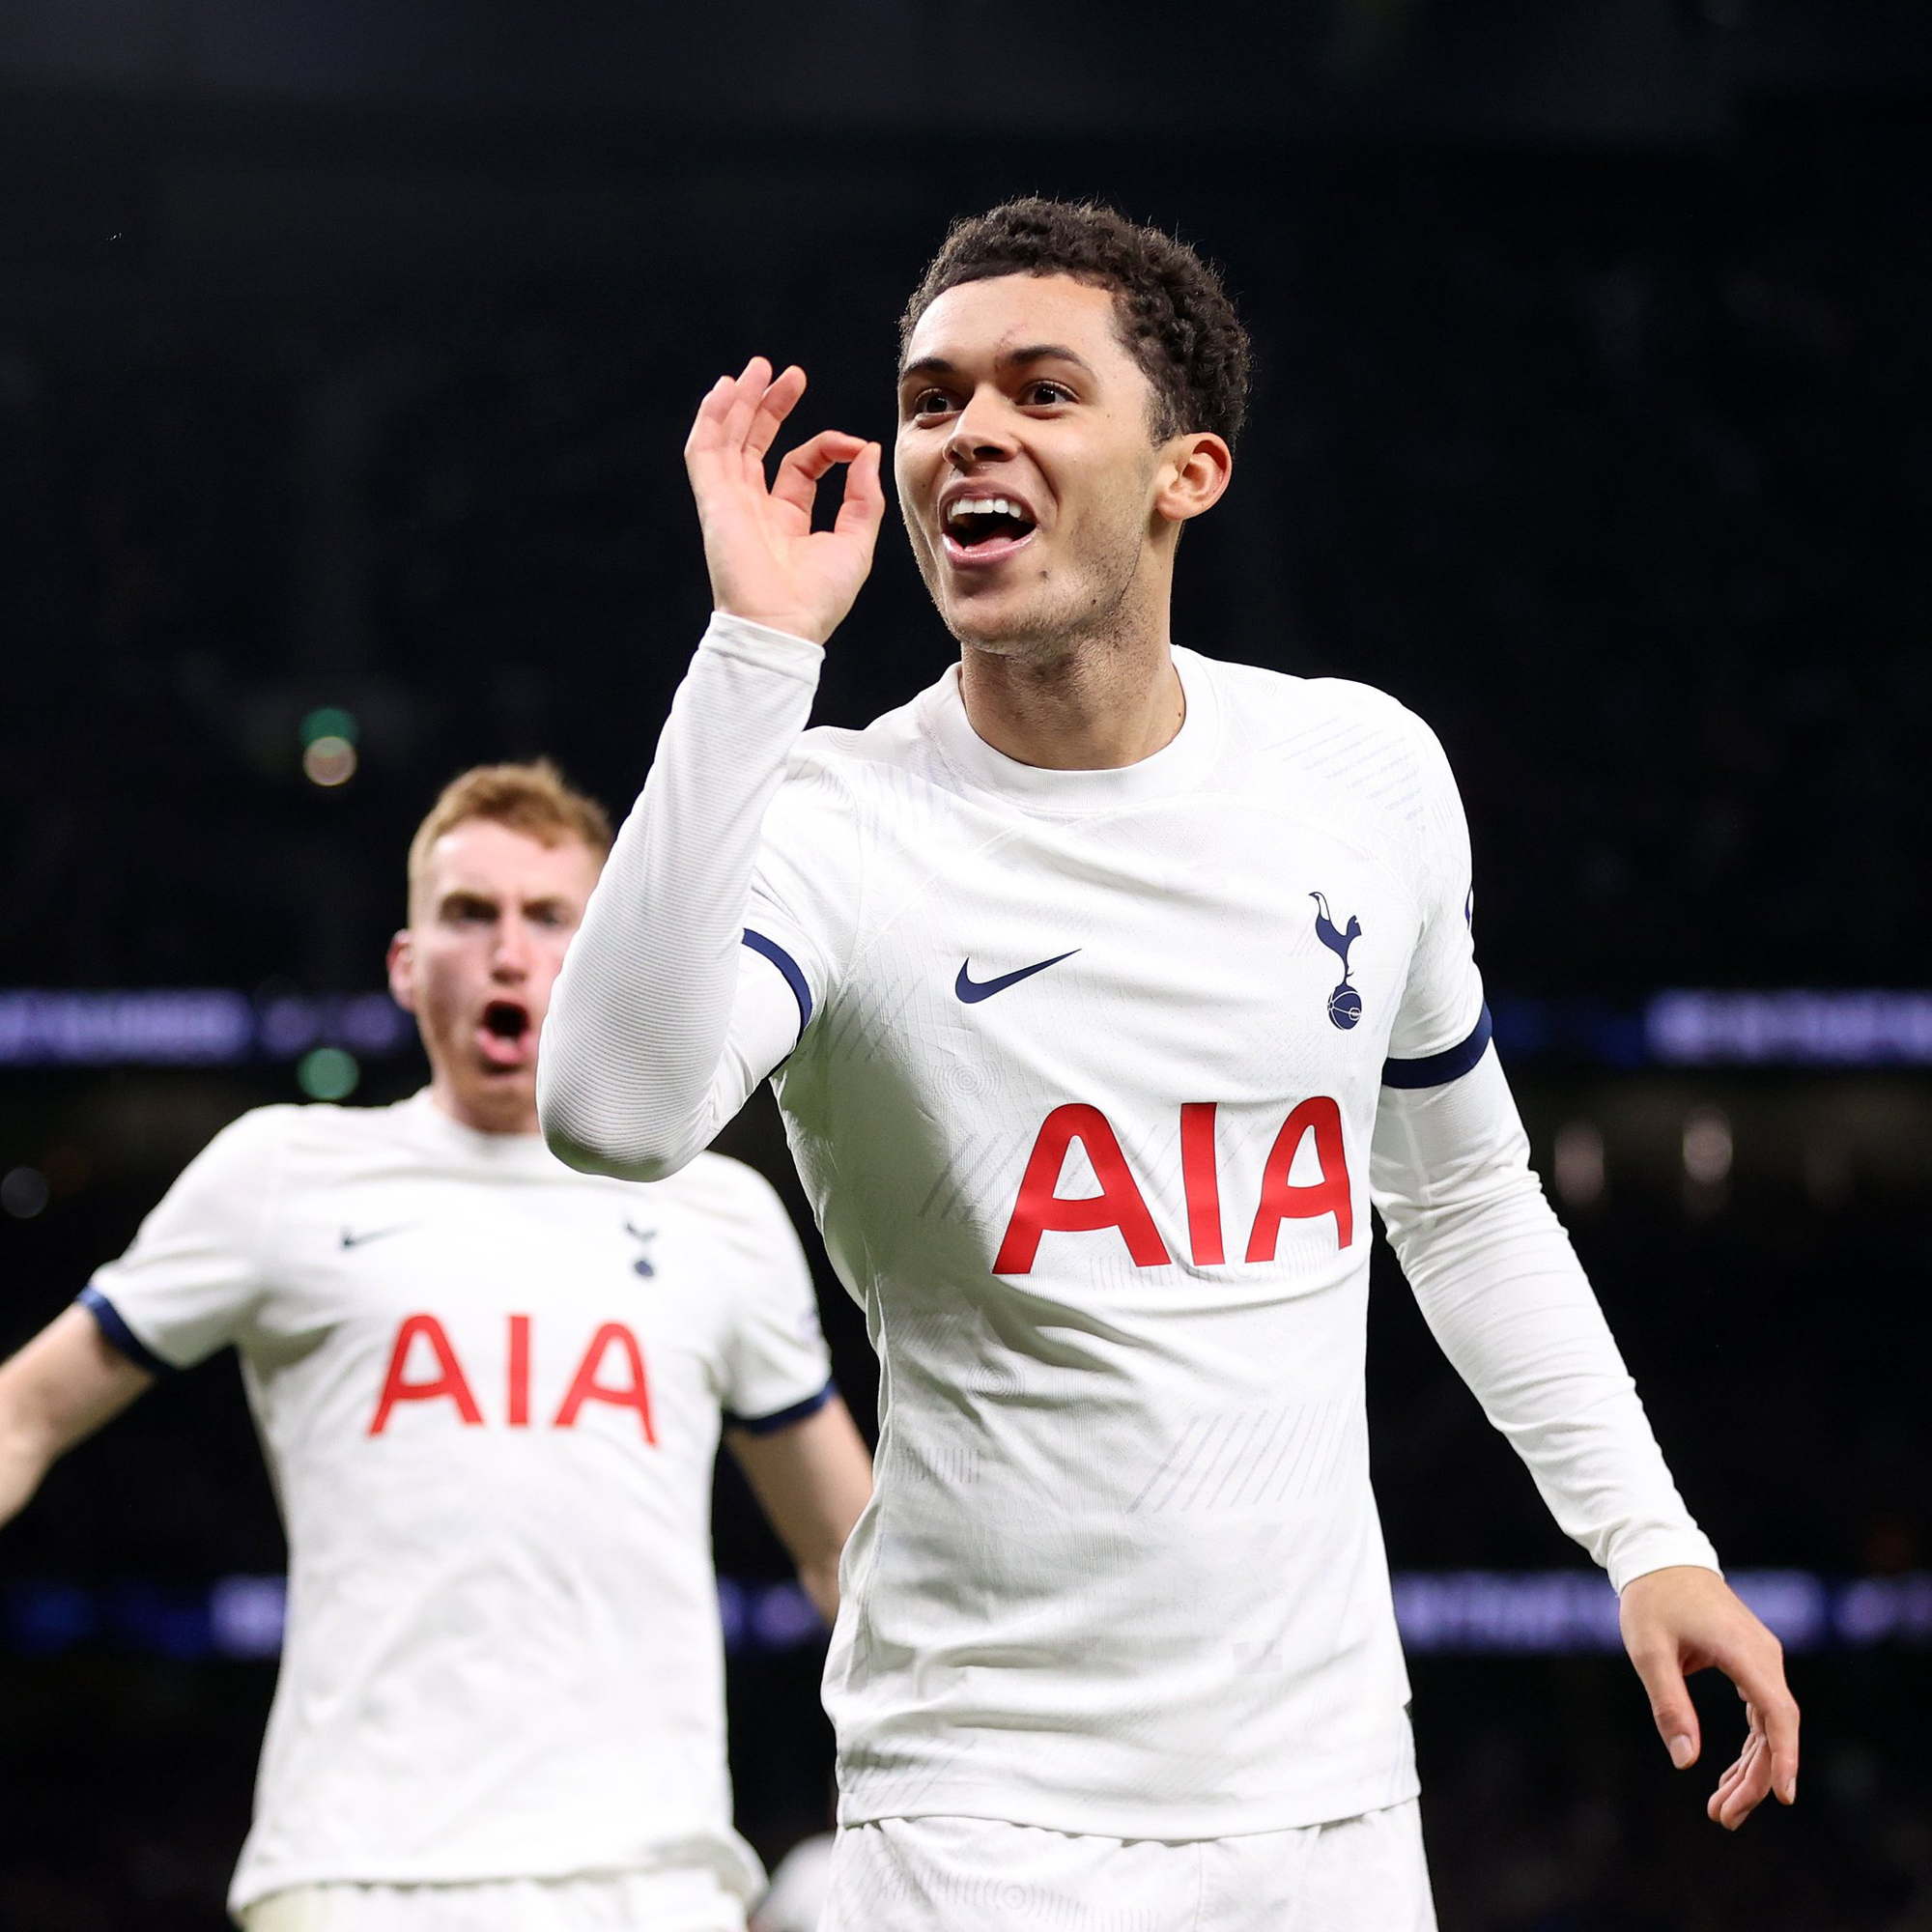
(1364,1874)
(682,1899)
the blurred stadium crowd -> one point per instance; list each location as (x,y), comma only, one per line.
(1600,462)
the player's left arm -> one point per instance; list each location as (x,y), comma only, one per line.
(1505,1296)
(811,1478)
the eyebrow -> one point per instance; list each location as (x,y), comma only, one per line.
(468,898)
(1011,358)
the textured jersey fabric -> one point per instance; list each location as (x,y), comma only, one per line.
(939,1874)
(489,1389)
(1085,1073)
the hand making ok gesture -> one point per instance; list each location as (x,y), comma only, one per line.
(767,563)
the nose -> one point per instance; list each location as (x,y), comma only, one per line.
(510,955)
(981,432)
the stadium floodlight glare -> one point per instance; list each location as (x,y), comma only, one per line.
(328,1073)
(330,760)
(24,1192)
(329,737)
(1707,1147)
(329,721)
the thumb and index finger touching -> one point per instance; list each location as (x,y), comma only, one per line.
(766,561)
(803,469)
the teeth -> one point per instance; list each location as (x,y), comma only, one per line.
(982,506)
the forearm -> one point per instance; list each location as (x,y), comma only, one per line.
(821,1582)
(58,1390)
(25,1457)
(637,1070)
(1507,1300)
(812,1480)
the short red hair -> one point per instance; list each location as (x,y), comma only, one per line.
(531,798)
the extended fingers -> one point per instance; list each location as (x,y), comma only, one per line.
(1759,1676)
(1780,1732)
(707,426)
(1744,1787)
(740,415)
(1769,1760)
(741,408)
(779,400)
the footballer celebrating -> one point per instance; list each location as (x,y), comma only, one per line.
(1105,986)
(489,1390)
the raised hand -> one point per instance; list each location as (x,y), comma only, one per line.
(1682,1620)
(767,563)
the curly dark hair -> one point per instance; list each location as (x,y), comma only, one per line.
(1174,316)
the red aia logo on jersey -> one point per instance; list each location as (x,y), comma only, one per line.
(449,1382)
(1119,1204)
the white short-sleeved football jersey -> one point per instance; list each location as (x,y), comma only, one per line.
(1084,1106)
(489,1390)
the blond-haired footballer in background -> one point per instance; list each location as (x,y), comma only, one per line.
(490,1391)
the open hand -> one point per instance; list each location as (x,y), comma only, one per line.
(1681,1620)
(766,561)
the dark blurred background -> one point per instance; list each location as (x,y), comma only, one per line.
(346,355)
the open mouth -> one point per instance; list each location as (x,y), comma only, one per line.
(504,1032)
(978,530)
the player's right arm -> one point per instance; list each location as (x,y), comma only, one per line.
(187,1286)
(57,1391)
(668,1011)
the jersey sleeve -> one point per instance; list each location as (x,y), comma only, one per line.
(674,1001)
(195,1273)
(1441,1025)
(1507,1299)
(806,889)
(776,1369)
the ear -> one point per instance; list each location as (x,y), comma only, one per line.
(402,961)
(1195,469)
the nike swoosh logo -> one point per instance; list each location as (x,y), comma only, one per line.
(353,1240)
(972,991)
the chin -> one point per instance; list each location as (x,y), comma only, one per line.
(1027,637)
(499,1087)
(1038,623)
(1004,626)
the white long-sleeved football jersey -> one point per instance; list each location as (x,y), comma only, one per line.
(1090,1077)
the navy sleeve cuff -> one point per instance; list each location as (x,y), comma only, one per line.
(784,1418)
(1437,1069)
(121,1335)
(771,950)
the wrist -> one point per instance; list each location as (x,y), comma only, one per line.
(766,644)
(788,627)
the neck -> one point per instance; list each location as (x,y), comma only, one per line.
(1093,704)
(506,1111)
